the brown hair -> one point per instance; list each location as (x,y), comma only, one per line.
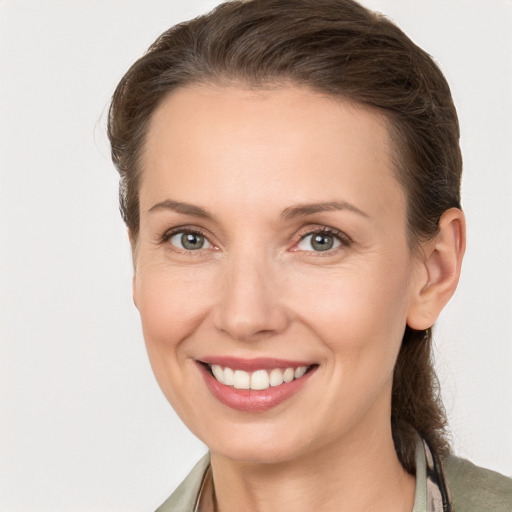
(339,48)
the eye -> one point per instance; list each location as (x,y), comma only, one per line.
(319,241)
(190,241)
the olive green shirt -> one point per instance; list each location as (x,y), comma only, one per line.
(471,488)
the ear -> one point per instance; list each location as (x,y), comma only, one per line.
(134,290)
(133,244)
(439,271)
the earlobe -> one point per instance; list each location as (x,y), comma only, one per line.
(440,270)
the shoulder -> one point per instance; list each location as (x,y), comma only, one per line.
(184,498)
(477,489)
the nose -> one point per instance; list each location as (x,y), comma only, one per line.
(250,304)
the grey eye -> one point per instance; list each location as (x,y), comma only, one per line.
(319,242)
(190,241)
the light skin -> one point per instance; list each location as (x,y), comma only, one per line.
(256,174)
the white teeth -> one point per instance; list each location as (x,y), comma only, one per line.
(276,377)
(241,380)
(229,377)
(258,380)
(300,371)
(288,375)
(218,372)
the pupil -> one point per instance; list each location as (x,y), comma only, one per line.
(322,242)
(192,241)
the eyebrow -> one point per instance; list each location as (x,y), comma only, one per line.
(302,210)
(291,212)
(179,207)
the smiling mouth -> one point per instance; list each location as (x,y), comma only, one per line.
(258,380)
(254,385)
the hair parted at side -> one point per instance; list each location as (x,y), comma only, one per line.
(342,49)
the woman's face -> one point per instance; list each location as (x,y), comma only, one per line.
(272,240)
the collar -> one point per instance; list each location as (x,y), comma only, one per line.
(431,491)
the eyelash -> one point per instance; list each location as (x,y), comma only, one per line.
(344,240)
(166,237)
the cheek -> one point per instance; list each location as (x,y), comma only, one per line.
(356,308)
(171,302)
(360,319)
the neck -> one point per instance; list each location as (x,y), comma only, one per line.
(356,475)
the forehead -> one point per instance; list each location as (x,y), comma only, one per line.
(299,144)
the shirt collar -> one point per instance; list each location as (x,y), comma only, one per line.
(429,481)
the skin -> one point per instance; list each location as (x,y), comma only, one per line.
(258,288)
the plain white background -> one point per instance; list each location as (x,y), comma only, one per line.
(83,424)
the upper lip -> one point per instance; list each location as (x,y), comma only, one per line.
(258,363)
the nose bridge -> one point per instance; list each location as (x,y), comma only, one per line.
(249,302)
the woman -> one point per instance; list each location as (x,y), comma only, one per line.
(290,175)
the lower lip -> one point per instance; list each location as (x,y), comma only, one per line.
(250,400)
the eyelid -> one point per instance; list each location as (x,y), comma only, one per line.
(167,235)
(343,238)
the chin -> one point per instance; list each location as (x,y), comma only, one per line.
(256,444)
(255,454)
